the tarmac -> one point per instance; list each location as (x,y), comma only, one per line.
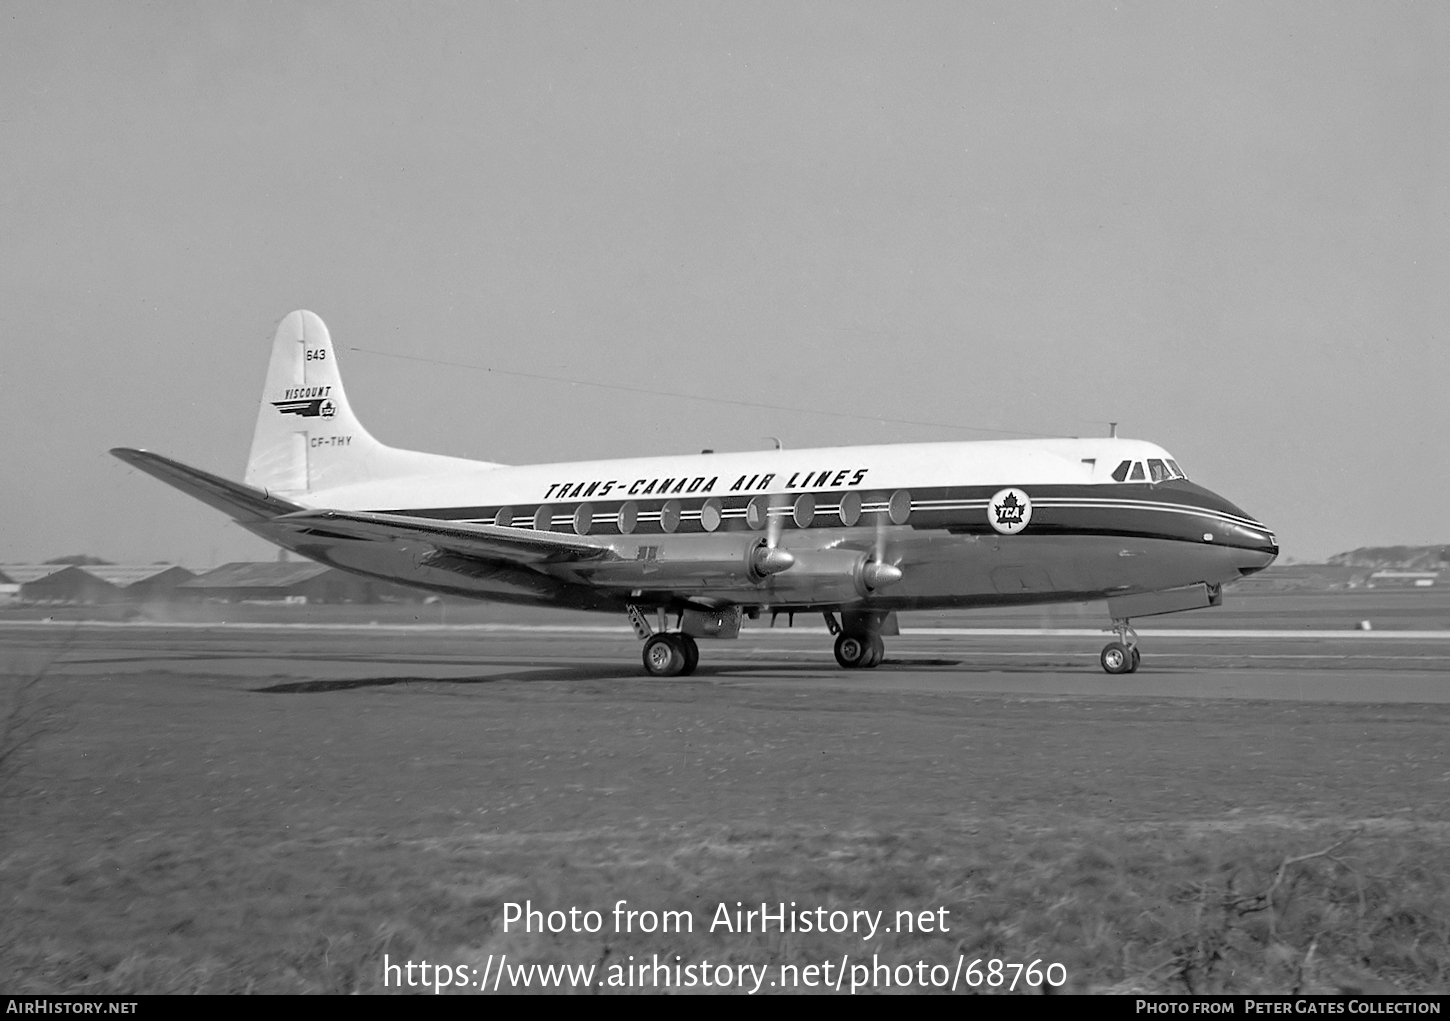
(274,798)
(1311,665)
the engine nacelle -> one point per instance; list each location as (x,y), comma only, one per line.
(828,576)
(736,568)
(702,564)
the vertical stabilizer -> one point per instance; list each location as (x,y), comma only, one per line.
(307,438)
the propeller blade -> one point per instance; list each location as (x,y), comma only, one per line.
(877,572)
(774,522)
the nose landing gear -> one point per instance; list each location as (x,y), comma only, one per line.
(1121,656)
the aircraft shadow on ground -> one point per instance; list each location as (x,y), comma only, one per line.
(349,683)
(582,673)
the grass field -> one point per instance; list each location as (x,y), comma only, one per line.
(177,829)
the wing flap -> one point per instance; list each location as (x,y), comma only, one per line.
(522,546)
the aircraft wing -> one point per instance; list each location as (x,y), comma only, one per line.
(243,503)
(522,546)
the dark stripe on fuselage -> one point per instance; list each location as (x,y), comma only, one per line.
(1177,510)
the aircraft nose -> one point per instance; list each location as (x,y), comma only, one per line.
(1249,543)
(1255,546)
(1228,526)
(1251,561)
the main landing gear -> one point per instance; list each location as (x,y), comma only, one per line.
(859,652)
(856,648)
(859,645)
(666,653)
(1121,656)
(670,654)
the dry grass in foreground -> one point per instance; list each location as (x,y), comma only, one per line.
(1171,909)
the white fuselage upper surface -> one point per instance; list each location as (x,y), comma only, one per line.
(969,523)
(896,466)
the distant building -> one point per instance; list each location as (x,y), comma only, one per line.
(142,583)
(1403,579)
(61,583)
(302,581)
(296,581)
(92,583)
(19,574)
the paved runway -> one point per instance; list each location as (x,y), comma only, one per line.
(1371,667)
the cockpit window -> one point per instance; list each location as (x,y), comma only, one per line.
(1159,470)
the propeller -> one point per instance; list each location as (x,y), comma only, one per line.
(768,558)
(877,573)
(774,521)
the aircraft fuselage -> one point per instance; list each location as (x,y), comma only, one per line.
(680,531)
(861,531)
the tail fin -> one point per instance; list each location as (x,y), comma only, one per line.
(307,438)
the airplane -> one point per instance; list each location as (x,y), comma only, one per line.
(856,534)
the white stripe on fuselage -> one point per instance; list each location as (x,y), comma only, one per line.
(1152,505)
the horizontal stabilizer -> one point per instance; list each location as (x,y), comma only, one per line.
(243,503)
(522,546)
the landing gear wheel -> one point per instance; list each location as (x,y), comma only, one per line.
(663,656)
(1137,658)
(691,653)
(852,651)
(875,652)
(1117,658)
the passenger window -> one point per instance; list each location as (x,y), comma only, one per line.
(1158,470)
(1137,475)
(1121,471)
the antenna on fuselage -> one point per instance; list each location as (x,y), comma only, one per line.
(1112,430)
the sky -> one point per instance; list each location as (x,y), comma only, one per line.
(1224,226)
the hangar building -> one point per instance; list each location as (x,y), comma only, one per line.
(93,583)
(298,581)
(61,583)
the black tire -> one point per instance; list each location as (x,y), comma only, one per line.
(1116,658)
(691,651)
(1137,658)
(852,650)
(876,652)
(663,656)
